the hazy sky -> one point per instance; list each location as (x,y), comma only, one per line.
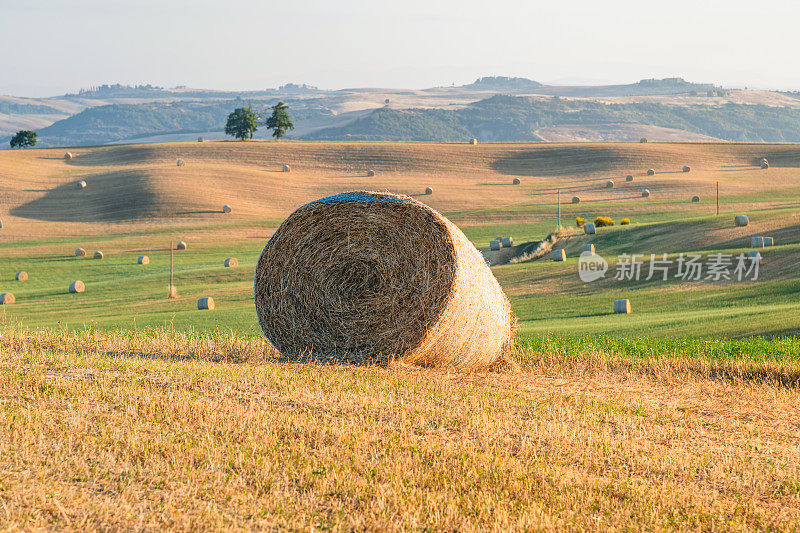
(49,47)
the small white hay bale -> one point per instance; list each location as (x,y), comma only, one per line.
(695,199)
(80,252)
(76,287)
(768,241)
(143,260)
(21,276)
(226,209)
(741,221)
(98,254)
(206,303)
(629,177)
(754,254)
(287,168)
(610,184)
(180,246)
(643,140)
(516,181)
(559,255)
(81,184)
(200,139)
(651,172)
(508,242)
(622,306)
(370,173)
(180,162)
(589,229)
(764,165)
(474,141)
(576,199)
(687,168)
(757,242)
(428,190)
(231,262)
(7,298)
(588,247)
(68,156)
(494,245)
(646,193)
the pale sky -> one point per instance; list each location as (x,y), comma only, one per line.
(53,46)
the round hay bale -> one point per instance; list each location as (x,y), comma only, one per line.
(370,173)
(622,306)
(180,246)
(741,221)
(80,252)
(7,298)
(589,229)
(610,184)
(200,139)
(764,165)
(372,277)
(757,242)
(559,255)
(81,184)
(576,199)
(516,181)
(428,190)
(226,209)
(98,254)
(686,168)
(588,247)
(180,162)
(231,262)
(143,260)
(646,193)
(494,245)
(508,242)
(76,287)
(68,156)
(651,172)
(21,276)
(768,241)
(643,140)
(629,177)
(754,254)
(1,224)
(695,199)
(287,168)
(474,141)
(206,303)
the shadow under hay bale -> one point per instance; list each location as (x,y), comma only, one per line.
(372,277)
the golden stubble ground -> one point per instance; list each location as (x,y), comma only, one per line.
(145,432)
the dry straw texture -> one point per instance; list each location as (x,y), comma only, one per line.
(372,277)
(144,260)
(80,252)
(21,275)
(76,286)
(7,298)
(98,254)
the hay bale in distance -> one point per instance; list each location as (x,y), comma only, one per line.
(764,165)
(231,262)
(180,162)
(629,177)
(21,276)
(7,298)
(622,306)
(516,181)
(588,247)
(589,229)
(576,199)
(98,254)
(768,241)
(76,287)
(287,168)
(80,252)
(754,254)
(741,221)
(370,173)
(206,303)
(143,260)
(428,190)
(226,209)
(180,246)
(757,242)
(695,199)
(651,172)
(687,168)
(200,139)
(474,141)
(413,288)
(81,184)
(508,242)
(494,244)
(1,224)
(610,184)
(559,255)
(643,140)
(68,156)
(646,193)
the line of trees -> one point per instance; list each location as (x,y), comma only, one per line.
(243,122)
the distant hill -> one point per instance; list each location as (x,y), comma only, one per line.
(503,83)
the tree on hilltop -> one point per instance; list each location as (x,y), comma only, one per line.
(242,123)
(280,121)
(23,139)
